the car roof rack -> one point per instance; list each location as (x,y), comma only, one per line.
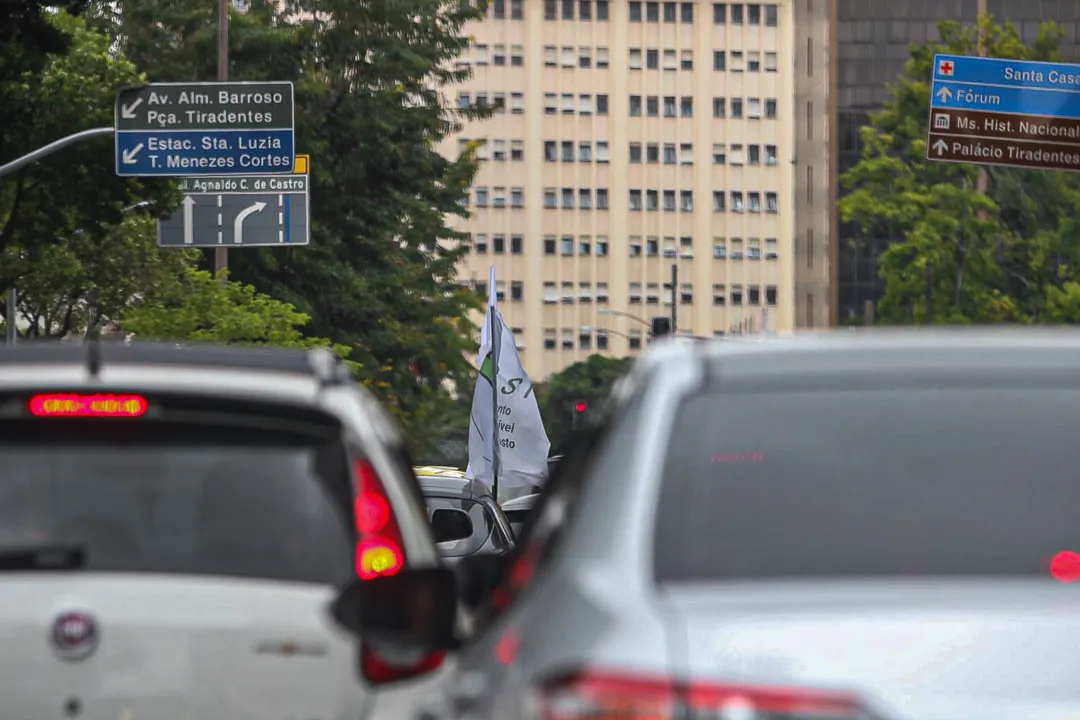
(320,363)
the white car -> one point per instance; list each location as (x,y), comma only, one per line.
(174,523)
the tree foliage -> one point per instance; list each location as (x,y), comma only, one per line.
(963,256)
(74,193)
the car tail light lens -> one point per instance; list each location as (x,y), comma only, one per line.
(88,406)
(379,672)
(379,549)
(607,696)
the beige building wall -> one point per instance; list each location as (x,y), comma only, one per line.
(632,136)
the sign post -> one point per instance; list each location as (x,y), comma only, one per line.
(1018,113)
(192,129)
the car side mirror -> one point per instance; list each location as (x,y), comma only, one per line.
(413,611)
(478,576)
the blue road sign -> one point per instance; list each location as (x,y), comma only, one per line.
(205,129)
(1005,112)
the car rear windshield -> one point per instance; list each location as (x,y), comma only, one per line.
(869,483)
(177,498)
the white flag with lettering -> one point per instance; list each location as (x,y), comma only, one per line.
(510,441)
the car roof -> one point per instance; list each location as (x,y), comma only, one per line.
(455,486)
(525,502)
(809,356)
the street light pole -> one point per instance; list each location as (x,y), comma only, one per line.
(221,253)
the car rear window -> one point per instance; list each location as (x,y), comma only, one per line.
(868,483)
(164,498)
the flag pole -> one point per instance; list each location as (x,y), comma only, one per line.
(496,342)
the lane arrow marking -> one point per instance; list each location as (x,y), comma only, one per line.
(128,156)
(945,94)
(189,220)
(238,223)
(128,111)
(940,147)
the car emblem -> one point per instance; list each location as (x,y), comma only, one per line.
(74,635)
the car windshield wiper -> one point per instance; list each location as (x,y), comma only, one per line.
(42,557)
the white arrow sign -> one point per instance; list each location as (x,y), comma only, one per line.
(940,147)
(945,94)
(128,156)
(189,212)
(238,223)
(128,111)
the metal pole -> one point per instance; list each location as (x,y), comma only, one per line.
(868,313)
(674,298)
(221,254)
(496,342)
(12,330)
(980,181)
(53,147)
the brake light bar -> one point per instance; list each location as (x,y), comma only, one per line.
(88,406)
(611,696)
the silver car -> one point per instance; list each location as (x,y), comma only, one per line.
(860,525)
(464,516)
(174,522)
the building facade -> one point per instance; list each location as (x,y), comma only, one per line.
(633,136)
(873,37)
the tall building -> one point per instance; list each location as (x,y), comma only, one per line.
(873,37)
(630,137)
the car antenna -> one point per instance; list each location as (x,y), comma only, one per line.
(93,356)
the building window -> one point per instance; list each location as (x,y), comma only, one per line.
(585,57)
(498,244)
(517,103)
(686,106)
(770,62)
(566,246)
(550,9)
(652,106)
(551,103)
(585,9)
(601,104)
(635,199)
(686,200)
(549,245)
(770,15)
(603,59)
(669,154)
(517,9)
(719,13)
(569,58)
(481,197)
(753,14)
(498,55)
(517,197)
(719,153)
(719,107)
(772,202)
(719,60)
(770,155)
(550,198)
(686,10)
(517,55)
(753,62)
(686,154)
(669,106)
(669,12)
(517,149)
(549,338)
(517,244)
(770,109)
(635,58)
(603,13)
(603,155)
(652,59)
(718,204)
(635,152)
(585,152)
(602,204)
(652,12)
(687,61)
(736,14)
(770,294)
(567,9)
(551,56)
(568,198)
(635,106)
(635,11)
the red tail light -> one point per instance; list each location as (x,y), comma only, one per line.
(604,696)
(379,672)
(379,552)
(517,578)
(379,549)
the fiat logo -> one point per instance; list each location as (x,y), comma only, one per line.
(74,635)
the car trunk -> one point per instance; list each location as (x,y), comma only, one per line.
(909,650)
(174,559)
(168,646)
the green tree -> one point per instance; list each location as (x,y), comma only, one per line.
(589,380)
(370,80)
(201,308)
(68,224)
(964,256)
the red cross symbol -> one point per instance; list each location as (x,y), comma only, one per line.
(945,67)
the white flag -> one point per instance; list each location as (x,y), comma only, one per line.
(511,441)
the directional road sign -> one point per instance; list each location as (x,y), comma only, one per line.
(254,210)
(213,129)
(988,111)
